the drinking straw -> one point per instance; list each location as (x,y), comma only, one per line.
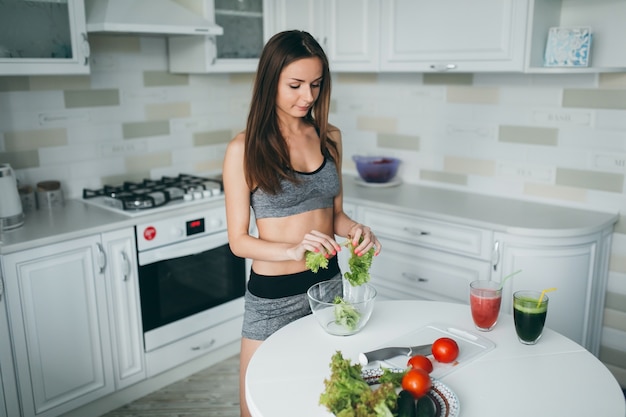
(544,293)
(509,276)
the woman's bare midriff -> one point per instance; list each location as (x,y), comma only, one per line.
(291,229)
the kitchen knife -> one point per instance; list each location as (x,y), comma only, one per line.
(392,352)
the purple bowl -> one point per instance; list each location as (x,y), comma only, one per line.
(379,169)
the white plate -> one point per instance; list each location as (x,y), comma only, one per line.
(446,399)
(394,182)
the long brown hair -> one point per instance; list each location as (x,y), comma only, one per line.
(266,159)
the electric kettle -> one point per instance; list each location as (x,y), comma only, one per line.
(11,215)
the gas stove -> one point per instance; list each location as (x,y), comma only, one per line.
(150,196)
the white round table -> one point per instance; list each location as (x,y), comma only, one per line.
(555,377)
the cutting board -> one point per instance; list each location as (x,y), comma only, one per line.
(471,346)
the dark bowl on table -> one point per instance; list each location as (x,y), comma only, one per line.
(376,169)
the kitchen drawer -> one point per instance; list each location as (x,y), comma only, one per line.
(416,272)
(385,293)
(201,343)
(433,234)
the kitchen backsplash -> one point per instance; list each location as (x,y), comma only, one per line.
(553,138)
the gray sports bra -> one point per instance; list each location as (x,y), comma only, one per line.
(315,190)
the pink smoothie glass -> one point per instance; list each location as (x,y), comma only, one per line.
(485,299)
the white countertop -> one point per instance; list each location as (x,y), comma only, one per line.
(78,219)
(555,377)
(519,217)
(47,226)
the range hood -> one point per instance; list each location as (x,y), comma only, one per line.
(147,17)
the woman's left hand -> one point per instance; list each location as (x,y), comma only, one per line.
(369,240)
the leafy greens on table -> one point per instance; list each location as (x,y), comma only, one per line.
(348,395)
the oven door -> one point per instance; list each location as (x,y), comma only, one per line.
(188,287)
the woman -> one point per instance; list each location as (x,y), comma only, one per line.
(287,167)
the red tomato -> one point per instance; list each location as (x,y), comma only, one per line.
(420,362)
(417,382)
(445,350)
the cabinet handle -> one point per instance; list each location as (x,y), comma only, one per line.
(413,277)
(102,258)
(415,231)
(495,255)
(1,287)
(86,49)
(214,42)
(443,67)
(126,266)
(204,346)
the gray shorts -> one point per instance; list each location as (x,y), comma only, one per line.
(264,316)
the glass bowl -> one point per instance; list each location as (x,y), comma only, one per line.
(378,169)
(349,316)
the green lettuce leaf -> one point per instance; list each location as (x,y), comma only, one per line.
(359,266)
(346,314)
(315,260)
(348,395)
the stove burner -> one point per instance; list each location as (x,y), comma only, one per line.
(150,193)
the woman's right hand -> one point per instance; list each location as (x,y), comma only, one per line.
(314,241)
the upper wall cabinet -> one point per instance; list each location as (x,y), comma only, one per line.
(453,35)
(405,35)
(246,29)
(606,20)
(348,30)
(43,37)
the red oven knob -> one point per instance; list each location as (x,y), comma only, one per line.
(149,233)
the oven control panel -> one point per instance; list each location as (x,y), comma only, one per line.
(195,226)
(180,228)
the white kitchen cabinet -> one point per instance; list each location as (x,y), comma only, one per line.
(436,241)
(3,410)
(246,26)
(348,30)
(192,347)
(56,299)
(43,37)
(414,272)
(122,287)
(569,264)
(9,405)
(606,19)
(307,15)
(453,35)
(432,234)
(426,259)
(75,321)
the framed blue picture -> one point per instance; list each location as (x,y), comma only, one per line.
(568,47)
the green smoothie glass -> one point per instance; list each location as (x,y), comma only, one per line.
(529,315)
